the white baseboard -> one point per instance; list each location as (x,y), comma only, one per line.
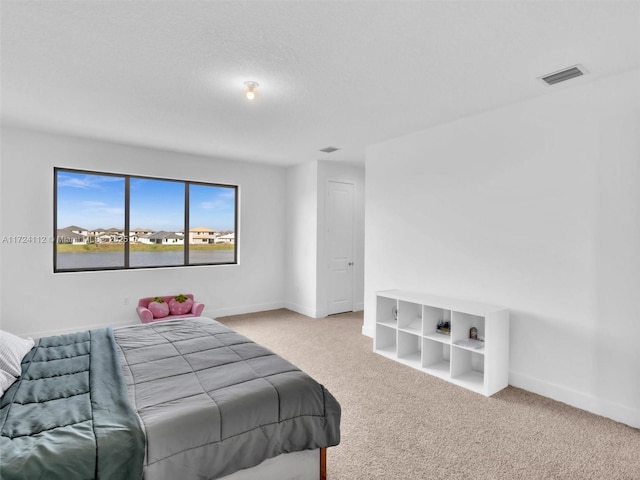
(240,310)
(63,331)
(308,312)
(368,330)
(583,401)
(318,313)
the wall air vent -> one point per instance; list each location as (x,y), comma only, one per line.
(329,149)
(565,74)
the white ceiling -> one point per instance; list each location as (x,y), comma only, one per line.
(348,74)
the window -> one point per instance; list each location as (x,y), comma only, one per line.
(157,220)
(206,244)
(105,221)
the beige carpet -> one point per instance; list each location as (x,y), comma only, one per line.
(399,423)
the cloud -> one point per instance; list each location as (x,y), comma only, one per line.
(85,182)
(75,182)
(223,201)
(227,195)
(220,205)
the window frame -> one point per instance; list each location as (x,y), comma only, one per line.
(127,227)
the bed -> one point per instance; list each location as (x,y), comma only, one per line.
(177,399)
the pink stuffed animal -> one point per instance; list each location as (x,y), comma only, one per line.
(159,308)
(180,304)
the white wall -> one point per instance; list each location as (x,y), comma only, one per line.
(301,239)
(536,207)
(1,230)
(36,301)
(306,268)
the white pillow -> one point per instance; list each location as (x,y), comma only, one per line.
(6,380)
(12,351)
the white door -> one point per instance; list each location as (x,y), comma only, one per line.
(339,241)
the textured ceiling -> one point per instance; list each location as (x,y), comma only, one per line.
(170,74)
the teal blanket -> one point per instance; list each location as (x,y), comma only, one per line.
(68,416)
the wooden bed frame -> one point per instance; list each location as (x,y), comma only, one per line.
(323,464)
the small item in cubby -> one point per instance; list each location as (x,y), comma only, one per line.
(444,328)
(394,311)
(473,333)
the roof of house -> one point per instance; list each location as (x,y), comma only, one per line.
(162,235)
(69,233)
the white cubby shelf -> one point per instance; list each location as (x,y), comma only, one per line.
(406,331)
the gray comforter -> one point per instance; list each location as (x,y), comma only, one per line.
(68,416)
(213,402)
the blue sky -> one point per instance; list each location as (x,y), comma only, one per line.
(97,201)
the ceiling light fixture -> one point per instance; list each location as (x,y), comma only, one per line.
(329,149)
(251,86)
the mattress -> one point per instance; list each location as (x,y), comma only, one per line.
(212,401)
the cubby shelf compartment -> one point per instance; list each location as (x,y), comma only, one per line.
(436,359)
(406,331)
(386,340)
(409,348)
(387,312)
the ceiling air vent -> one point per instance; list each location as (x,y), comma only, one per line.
(562,75)
(329,149)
